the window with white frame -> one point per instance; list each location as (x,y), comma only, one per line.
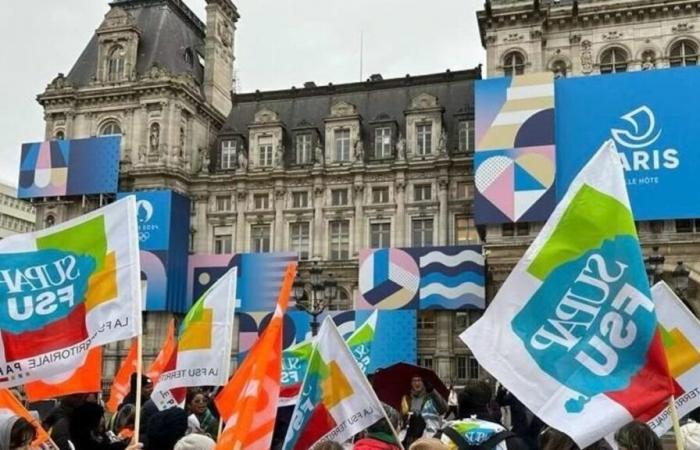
(265,151)
(422,192)
(260,238)
(614,60)
(382,142)
(422,232)
(424,136)
(380,194)
(303,149)
(683,53)
(465,231)
(261,201)
(228,154)
(462,190)
(223,203)
(380,235)
(466,136)
(299,234)
(339,239)
(300,199)
(115,63)
(513,64)
(342,144)
(339,197)
(222,240)
(110,128)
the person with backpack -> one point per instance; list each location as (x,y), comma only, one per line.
(427,402)
(476,429)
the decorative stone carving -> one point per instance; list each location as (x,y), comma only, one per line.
(266,116)
(280,193)
(648,61)
(535,34)
(359,148)
(401,148)
(142,154)
(156,71)
(513,37)
(612,35)
(683,27)
(343,109)
(442,143)
(225,34)
(586,57)
(424,101)
(400,186)
(279,155)
(59,82)
(241,195)
(490,39)
(575,39)
(319,191)
(117,18)
(154,137)
(318,155)
(204,160)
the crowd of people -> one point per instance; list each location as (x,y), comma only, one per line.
(470,418)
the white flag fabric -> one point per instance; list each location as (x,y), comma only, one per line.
(680,334)
(572,333)
(203,355)
(336,400)
(67,289)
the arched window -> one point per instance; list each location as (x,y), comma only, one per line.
(109,128)
(613,60)
(683,53)
(341,302)
(49,221)
(115,63)
(513,64)
(559,69)
(60,135)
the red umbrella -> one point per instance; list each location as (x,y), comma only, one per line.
(393,382)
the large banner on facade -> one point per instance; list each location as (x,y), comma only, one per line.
(66,289)
(69,167)
(650,116)
(421,278)
(260,277)
(164,227)
(515,155)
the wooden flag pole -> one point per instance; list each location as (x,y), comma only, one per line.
(676,423)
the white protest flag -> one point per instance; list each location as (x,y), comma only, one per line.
(67,289)
(336,400)
(203,353)
(680,334)
(573,333)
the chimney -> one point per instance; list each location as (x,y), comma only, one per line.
(376,77)
(222,16)
(309,85)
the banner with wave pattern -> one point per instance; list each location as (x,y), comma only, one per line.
(449,277)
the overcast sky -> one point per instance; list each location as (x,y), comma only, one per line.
(279,44)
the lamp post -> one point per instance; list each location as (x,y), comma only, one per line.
(654,265)
(322,292)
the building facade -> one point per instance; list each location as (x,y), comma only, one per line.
(16,216)
(593,37)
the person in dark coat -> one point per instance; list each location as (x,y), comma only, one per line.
(165,428)
(88,429)
(146,390)
(57,422)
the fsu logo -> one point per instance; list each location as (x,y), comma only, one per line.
(42,298)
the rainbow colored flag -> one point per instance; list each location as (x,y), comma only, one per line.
(67,289)
(295,359)
(575,318)
(336,400)
(203,354)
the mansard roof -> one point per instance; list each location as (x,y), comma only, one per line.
(379,100)
(167,30)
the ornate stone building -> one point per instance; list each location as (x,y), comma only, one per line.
(585,37)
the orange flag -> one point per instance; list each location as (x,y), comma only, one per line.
(248,403)
(10,404)
(166,352)
(86,378)
(121,384)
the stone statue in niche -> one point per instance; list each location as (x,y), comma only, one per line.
(204,161)
(442,142)
(401,148)
(359,148)
(648,62)
(154,138)
(279,154)
(142,154)
(182,142)
(318,155)
(242,160)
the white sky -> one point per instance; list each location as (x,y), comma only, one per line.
(279,44)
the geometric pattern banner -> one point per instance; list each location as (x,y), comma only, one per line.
(421,278)
(515,163)
(69,167)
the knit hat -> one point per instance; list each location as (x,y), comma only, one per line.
(428,444)
(165,428)
(691,435)
(195,442)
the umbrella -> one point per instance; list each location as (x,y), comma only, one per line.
(393,382)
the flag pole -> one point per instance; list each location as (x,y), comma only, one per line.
(386,417)
(676,423)
(139,375)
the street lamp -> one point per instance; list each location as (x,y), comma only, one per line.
(322,292)
(654,265)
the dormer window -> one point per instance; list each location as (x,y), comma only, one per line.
(302,151)
(115,63)
(382,142)
(466,136)
(228,154)
(265,151)
(424,136)
(342,144)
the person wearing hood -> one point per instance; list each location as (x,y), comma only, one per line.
(57,423)
(88,429)
(380,436)
(16,433)
(426,401)
(146,390)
